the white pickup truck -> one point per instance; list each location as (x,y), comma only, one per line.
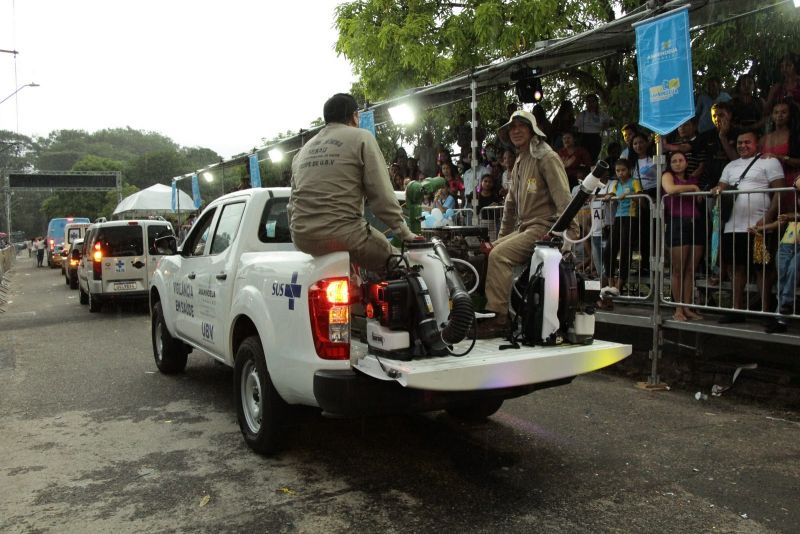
(238,290)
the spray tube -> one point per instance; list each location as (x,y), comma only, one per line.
(586,189)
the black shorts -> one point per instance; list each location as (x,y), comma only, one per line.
(687,231)
(737,249)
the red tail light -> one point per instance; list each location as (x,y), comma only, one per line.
(97,261)
(52,244)
(329,308)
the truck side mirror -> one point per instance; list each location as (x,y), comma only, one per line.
(166,245)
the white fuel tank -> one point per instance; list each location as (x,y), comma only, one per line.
(432,272)
(549,258)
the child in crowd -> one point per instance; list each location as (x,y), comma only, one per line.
(602,220)
(427,201)
(444,200)
(486,193)
(788,266)
(583,250)
(625,222)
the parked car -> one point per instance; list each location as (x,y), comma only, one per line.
(117,260)
(72,231)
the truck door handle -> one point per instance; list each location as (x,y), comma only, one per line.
(222,276)
(191,276)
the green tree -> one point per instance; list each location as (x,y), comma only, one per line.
(157,167)
(395,45)
(18,153)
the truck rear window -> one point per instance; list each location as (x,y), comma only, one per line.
(274,227)
(121,241)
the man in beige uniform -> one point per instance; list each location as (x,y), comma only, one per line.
(331,176)
(538,192)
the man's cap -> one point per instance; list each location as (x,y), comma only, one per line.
(522,117)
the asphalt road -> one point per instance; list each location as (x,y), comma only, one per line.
(94,439)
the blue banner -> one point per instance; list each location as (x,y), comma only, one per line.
(664,57)
(196,192)
(174,196)
(255,173)
(366,120)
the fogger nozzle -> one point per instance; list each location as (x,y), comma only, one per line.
(586,188)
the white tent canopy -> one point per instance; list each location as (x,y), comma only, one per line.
(154,200)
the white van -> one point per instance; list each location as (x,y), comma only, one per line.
(72,231)
(118,260)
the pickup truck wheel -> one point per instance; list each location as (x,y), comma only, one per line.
(94,304)
(259,408)
(476,411)
(170,353)
(84,297)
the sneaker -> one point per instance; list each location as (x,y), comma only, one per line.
(730,318)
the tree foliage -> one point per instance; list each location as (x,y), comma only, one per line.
(144,158)
(395,45)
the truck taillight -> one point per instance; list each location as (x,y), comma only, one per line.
(52,244)
(329,308)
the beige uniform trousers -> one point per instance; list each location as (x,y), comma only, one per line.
(509,251)
(369,249)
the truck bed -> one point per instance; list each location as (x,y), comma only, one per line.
(487,367)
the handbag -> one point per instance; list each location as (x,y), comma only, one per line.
(727,201)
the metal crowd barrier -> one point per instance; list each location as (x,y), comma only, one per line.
(7,256)
(746,273)
(619,257)
(490,217)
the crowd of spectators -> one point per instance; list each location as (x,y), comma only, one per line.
(708,153)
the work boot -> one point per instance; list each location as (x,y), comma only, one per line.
(494,327)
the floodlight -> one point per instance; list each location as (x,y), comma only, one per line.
(275,155)
(402,114)
(530,90)
(208,177)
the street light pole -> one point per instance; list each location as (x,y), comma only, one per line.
(20,88)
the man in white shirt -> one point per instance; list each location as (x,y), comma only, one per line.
(749,210)
(590,123)
(472,177)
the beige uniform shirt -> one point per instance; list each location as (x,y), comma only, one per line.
(538,192)
(331,176)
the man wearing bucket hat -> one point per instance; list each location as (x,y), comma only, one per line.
(538,192)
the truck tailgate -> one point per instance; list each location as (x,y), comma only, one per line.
(488,367)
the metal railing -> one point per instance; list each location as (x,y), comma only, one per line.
(729,266)
(617,251)
(491,217)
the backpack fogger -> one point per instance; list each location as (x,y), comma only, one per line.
(421,308)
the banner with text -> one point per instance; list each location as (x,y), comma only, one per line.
(174,200)
(366,120)
(664,57)
(196,192)
(255,172)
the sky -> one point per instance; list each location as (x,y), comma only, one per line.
(220,75)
